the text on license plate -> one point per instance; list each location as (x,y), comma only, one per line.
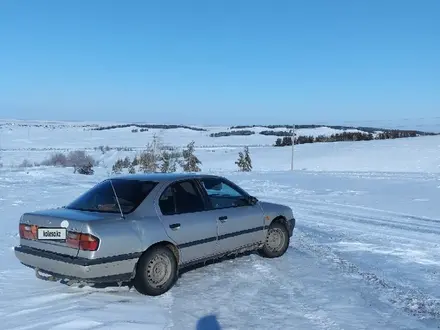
(52,233)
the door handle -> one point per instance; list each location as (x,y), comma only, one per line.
(175,226)
(223,218)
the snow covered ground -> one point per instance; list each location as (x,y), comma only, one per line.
(365,253)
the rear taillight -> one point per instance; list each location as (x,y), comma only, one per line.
(28,231)
(86,242)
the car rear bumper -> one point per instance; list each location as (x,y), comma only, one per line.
(113,269)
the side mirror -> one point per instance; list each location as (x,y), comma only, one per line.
(252,200)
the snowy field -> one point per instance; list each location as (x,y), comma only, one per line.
(365,253)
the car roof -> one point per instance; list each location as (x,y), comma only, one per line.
(162,177)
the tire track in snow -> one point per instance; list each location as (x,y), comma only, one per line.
(249,293)
(319,318)
(406,297)
(410,300)
(293,195)
(354,218)
(361,210)
(362,219)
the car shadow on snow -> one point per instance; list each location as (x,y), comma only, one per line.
(208,322)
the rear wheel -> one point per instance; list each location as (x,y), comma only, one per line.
(277,241)
(156,271)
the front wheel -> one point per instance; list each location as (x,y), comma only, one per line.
(277,241)
(156,272)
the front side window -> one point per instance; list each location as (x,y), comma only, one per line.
(223,195)
(181,197)
(101,197)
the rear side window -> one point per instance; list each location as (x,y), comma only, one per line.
(101,197)
(181,197)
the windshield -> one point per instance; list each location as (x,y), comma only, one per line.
(101,197)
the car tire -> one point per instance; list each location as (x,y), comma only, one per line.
(277,241)
(156,271)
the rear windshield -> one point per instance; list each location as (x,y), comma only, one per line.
(101,197)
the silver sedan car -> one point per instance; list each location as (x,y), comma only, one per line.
(145,228)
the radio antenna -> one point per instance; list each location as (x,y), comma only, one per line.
(117,199)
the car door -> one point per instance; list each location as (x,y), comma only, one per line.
(239,223)
(183,213)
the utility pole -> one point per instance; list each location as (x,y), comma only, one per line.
(1,152)
(29,137)
(293,146)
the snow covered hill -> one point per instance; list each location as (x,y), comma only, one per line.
(37,135)
(365,253)
(35,141)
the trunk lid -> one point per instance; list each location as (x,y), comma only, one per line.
(72,220)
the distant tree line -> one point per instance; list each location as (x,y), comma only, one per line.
(152,126)
(277,126)
(105,149)
(345,136)
(135,130)
(387,134)
(240,132)
(48,126)
(338,127)
(276,133)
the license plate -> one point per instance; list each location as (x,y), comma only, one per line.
(52,233)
